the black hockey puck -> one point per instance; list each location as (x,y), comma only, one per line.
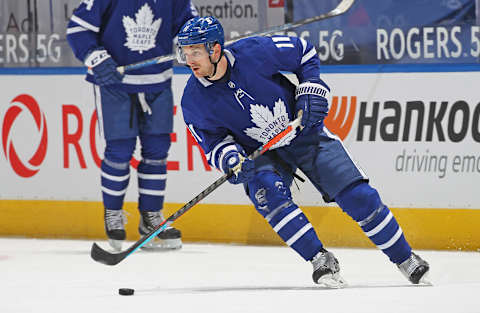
(126,291)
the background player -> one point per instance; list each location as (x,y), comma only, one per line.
(237,99)
(104,34)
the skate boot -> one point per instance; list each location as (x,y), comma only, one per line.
(415,269)
(114,227)
(326,270)
(170,238)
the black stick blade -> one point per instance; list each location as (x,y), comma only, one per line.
(105,257)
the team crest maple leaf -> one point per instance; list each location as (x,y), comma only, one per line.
(142,32)
(268,123)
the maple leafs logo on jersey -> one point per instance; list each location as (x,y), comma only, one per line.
(141,33)
(269,124)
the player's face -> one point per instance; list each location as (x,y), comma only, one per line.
(198,60)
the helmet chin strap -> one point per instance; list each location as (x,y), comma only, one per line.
(215,64)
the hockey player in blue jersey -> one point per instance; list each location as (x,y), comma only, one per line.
(104,34)
(237,100)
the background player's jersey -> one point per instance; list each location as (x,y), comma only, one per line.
(131,31)
(254,101)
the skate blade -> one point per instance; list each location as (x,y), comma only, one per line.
(116,245)
(426,279)
(334,281)
(163,244)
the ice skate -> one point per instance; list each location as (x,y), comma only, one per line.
(114,227)
(326,270)
(415,269)
(171,238)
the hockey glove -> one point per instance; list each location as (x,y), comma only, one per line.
(311,97)
(104,68)
(243,168)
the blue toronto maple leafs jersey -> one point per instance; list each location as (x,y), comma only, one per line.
(255,101)
(131,31)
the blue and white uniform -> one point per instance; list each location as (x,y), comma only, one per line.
(249,106)
(256,102)
(140,105)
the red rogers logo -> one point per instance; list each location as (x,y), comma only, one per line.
(32,166)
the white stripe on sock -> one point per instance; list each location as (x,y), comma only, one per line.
(380,226)
(287,219)
(152,176)
(299,234)
(151,192)
(115,178)
(392,240)
(114,192)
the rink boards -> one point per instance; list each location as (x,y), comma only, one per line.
(416,135)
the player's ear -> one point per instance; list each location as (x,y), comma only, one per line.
(217,49)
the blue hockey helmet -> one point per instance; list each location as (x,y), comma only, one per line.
(197,30)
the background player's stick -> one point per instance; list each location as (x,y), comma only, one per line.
(341,8)
(108,258)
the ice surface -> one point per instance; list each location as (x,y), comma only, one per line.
(59,276)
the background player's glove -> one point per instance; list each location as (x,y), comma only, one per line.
(104,67)
(311,97)
(245,173)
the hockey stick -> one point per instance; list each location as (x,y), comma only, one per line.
(341,8)
(108,258)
